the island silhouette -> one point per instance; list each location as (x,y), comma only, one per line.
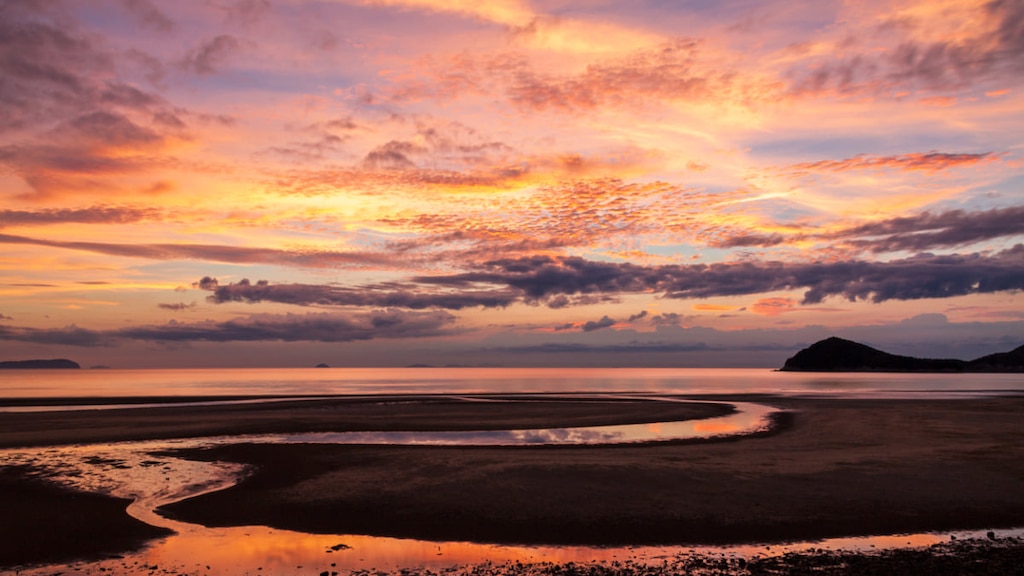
(840,355)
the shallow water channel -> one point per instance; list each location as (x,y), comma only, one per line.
(131,470)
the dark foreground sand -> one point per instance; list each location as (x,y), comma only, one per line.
(830,468)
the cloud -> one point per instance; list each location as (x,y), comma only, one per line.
(389,296)
(259,327)
(507,12)
(68,336)
(672,71)
(393,156)
(921,276)
(927,230)
(590,213)
(773,306)
(98,214)
(668,319)
(5,317)
(212,252)
(149,15)
(638,316)
(713,307)
(206,58)
(592,325)
(178,307)
(66,116)
(246,12)
(926,162)
(919,232)
(990,48)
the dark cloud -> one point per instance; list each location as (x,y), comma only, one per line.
(256,328)
(393,156)
(637,316)
(206,58)
(112,130)
(927,230)
(149,15)
(210,252)
(592,325)
(922,276)
(67,336)
(92,215)
(46,66)
(667,319)
(53,71)
(177,307)
(5,317)
(389,296)
(916,233)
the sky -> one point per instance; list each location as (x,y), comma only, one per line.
(216,183)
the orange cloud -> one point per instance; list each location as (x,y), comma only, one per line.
(713,307)
(773,306)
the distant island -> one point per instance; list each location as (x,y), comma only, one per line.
(62,363)
(322,365)
(840,355)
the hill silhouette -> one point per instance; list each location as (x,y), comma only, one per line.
(840,355)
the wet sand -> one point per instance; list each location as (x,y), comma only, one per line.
(45,523)
(831,467)
(341,414)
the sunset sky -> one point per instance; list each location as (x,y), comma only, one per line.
(579,183)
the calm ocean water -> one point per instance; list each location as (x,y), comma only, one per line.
(316,381)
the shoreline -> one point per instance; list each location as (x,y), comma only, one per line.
(830,467)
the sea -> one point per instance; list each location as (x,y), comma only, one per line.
(112,383)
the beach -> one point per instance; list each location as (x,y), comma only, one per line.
(827,467)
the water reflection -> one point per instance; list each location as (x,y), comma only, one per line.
(292,381)
(748,418)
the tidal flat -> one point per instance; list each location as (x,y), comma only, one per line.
(826,467)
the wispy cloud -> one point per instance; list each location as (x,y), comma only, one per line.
(926,162)
(99,214)
(313,258)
